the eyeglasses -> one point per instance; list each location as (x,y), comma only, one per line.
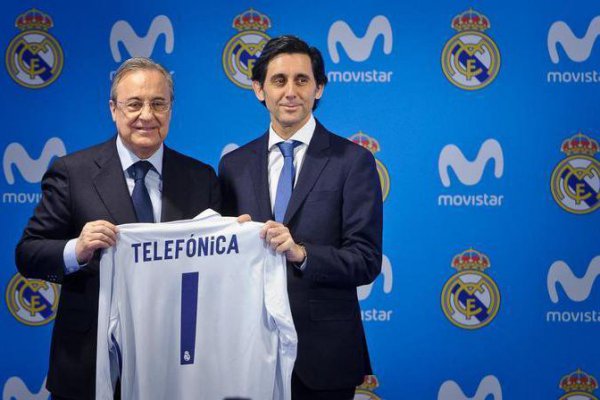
(135,106)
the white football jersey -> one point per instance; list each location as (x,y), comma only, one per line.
(194,309)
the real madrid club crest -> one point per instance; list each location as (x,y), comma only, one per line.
(470,298)
(578,385)
(471,59)
(34,58)
(575,182)
(366,389)
(243,49)
(31,301)
(372,145)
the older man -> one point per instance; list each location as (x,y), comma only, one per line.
(322,197)
(132,177)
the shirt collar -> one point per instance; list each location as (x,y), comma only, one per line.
(302,135)
(206,214)
(128,158)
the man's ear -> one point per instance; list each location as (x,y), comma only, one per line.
(258,90)
(319,93)
(113,110)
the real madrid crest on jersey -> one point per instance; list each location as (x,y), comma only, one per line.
(372,145)
(243,49)
(470,298)
(31,301)
(366,389)
(471,59)
(578,385)
(575,182)
(34,58)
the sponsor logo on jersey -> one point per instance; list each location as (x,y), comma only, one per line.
(575,182)
(469,173)
(577,51)
(31,301)
(15,389)
(141,46)
(372,145)
(471,59)
(578,385)
(359,50)
(489,386)
(34,58)
(242,50)
(366,390)
(576,290)
(470,298)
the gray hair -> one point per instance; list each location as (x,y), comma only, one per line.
(137,64)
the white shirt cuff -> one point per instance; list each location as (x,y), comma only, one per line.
(70,258)
(303,265)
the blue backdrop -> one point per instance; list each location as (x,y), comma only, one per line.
(483,117)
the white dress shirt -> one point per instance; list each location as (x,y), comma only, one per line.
(303,135)
(153,183)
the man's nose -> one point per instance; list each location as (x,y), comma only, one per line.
(146,111)
(290,89)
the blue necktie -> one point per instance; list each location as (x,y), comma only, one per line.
(140,196)
(286,180)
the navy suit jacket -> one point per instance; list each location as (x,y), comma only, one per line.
(336,212)
(81,187)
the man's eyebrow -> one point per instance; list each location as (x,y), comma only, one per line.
(140,99)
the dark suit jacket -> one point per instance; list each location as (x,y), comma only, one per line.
(336,212)
(79,188)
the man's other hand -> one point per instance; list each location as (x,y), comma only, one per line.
(94,235)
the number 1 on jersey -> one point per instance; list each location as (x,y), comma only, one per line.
(189,308)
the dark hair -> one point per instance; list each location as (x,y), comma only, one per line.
(289,44)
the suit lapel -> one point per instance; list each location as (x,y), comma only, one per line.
(111,186)
(258,172)
(317,156)
(175,201)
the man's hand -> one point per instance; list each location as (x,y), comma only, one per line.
(94,235)
(280,239)
(244,218)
